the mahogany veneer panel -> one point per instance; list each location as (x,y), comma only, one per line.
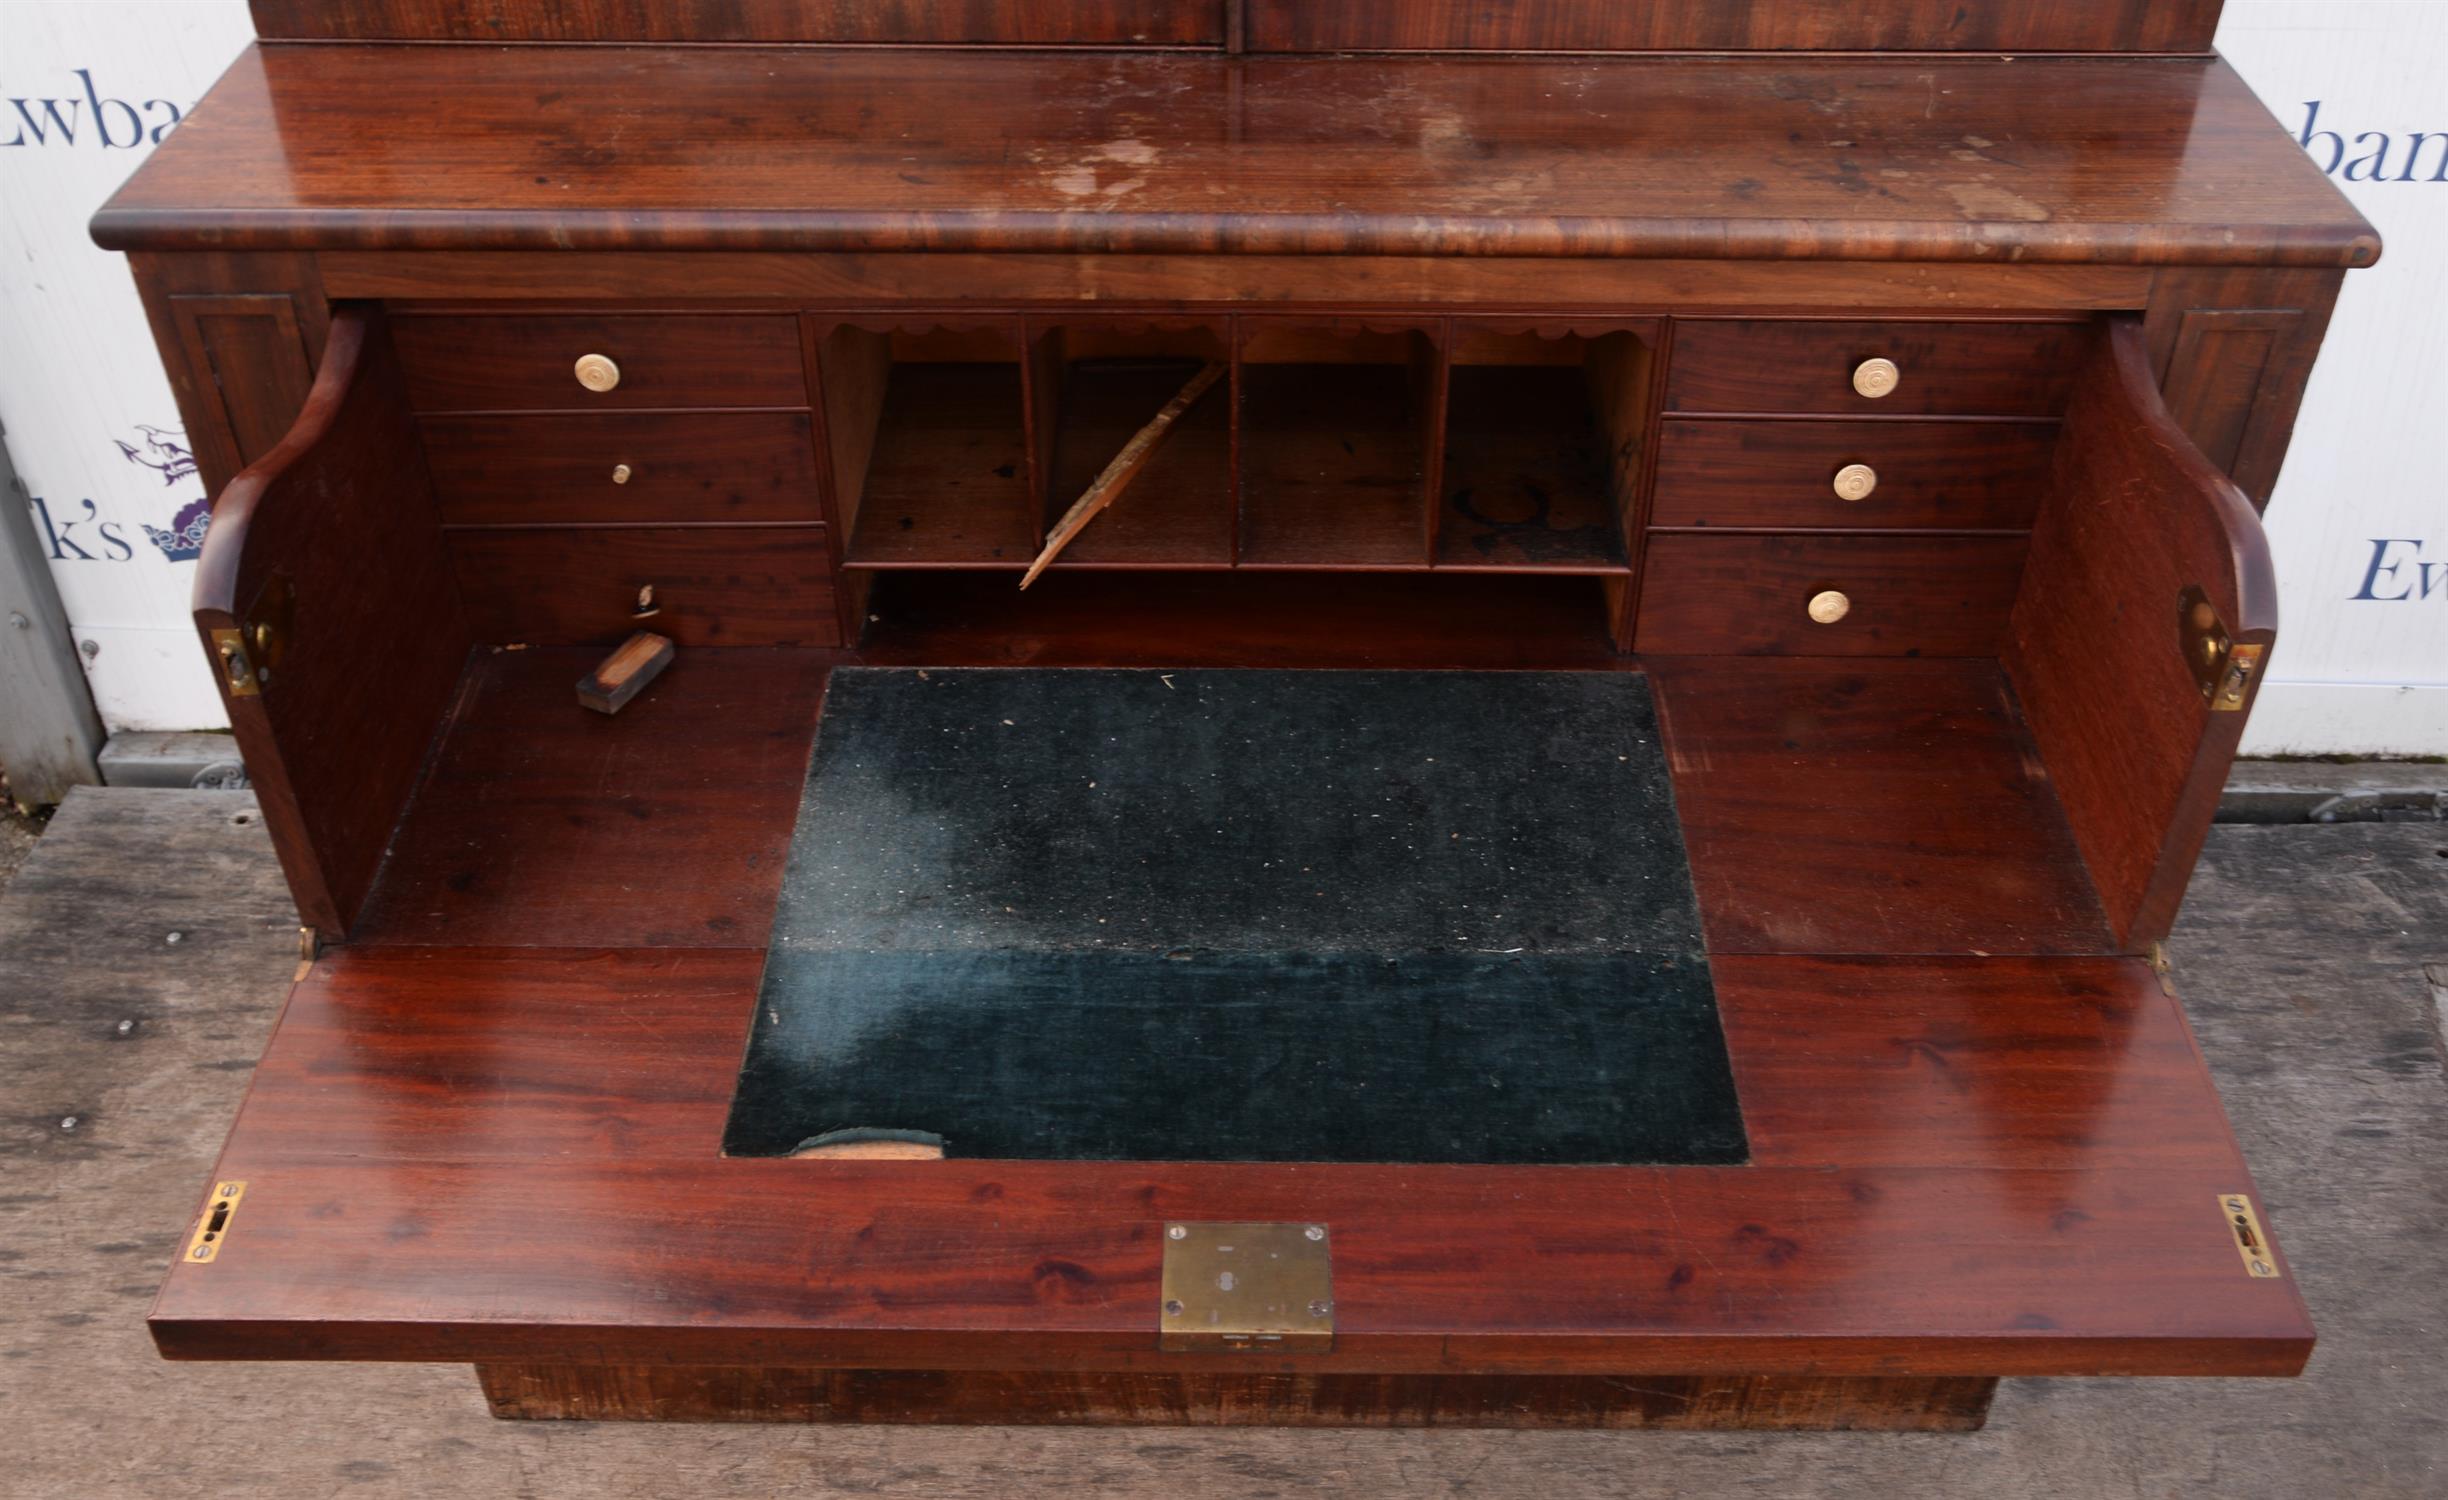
(2135,516)
(1950,369)
(1027,22)
(1889,807)
(336,742)
(1947,475)
(1965,1062)
(2108,161)
(486,1155)
(1749,595)
(817,279)
(510,362)
(1736,25)
(539,823)
(714,585)
(2071,1063)
(684,466)
(1245,619)
(1235,1397)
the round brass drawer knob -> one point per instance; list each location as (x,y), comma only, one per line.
(598,373)
(1829,606)
(1876,377)
(1855,482)
(620,473)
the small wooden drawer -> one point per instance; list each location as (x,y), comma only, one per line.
(634,466)
(518,362)
(1973,476)
(713,585)
(1902,596)
(1939,369)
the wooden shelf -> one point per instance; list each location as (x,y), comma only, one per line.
(1341,434)
(1179,511)
(1526,487)
(1332,465)
(947,484)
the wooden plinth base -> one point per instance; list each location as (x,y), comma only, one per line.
(686,1393)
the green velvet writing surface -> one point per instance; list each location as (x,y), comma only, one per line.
(1253,916)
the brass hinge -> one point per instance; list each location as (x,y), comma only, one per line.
(237,664)
(1266,1288)
(249,652)
(2222,669)
(2162,968)
(212,1225)
(2250,1242)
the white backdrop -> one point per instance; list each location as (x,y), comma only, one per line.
(2360,520)
(2362,509)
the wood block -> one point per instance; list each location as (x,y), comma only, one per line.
(624,674)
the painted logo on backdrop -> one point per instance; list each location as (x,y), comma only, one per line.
(2399,574)
(94,537)
(88,114)
(2374,155)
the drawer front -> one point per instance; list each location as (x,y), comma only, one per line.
(531,363)
(1975,476)
(1752,595)
(1941,369)
(717,586)
(638,467)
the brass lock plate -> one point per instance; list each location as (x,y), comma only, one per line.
(2251,1243)
(2222,669)
(1247,1288)
(212,1225)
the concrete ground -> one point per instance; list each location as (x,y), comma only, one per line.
(146,944)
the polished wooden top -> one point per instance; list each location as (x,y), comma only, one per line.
(2107,160)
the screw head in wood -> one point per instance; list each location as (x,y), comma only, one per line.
(597,372)
(1855,482)
(1828,606)
(1876,377)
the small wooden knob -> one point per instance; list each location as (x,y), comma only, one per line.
(1876,377)
(1829,606)
(597,372)
(620,474)
(1855,482)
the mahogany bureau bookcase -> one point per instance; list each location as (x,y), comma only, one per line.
(1798,463)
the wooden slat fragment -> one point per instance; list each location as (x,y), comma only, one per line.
(1125,467)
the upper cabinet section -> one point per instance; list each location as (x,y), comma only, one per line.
(2025,26)
(1031,23)
(2133,161)
(1733,25)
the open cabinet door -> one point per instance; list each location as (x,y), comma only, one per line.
(333,625)
(2140,636)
